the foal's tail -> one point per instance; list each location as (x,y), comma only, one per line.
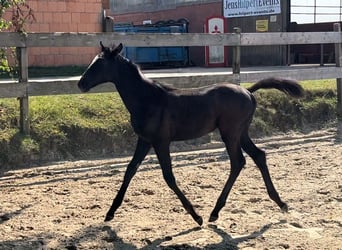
(288,86)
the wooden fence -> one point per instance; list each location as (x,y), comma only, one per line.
(25,88)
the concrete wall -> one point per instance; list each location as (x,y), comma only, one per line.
(64,16)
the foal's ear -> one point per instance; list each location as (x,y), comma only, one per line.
(103,48)
(118,49)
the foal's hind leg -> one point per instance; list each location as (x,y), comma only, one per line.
(141,151)
(259,158)
(163,153)
(237,161)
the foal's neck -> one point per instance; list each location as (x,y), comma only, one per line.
(135,89)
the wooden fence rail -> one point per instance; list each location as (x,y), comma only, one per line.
(237,40)
(68,86)
(8,39)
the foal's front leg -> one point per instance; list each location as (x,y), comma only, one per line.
(141,151)
(163,153)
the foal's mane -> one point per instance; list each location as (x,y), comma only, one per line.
(136,69)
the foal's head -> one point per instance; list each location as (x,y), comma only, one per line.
(102,69)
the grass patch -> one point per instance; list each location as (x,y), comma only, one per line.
(277,112)
(93,125)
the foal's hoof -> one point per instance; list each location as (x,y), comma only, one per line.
(199,220)
(284,208)
(109,217)
(213,218)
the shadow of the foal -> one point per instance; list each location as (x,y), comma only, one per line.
(227,241)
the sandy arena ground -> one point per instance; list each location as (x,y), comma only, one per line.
(62,206)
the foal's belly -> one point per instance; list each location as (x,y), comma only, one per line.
(190,135)
(192,129)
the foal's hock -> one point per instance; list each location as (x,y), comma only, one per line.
(161,114)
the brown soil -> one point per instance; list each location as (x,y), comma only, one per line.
(62,206)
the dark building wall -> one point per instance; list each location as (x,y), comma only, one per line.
(263,55)
(311,53)
(197,13)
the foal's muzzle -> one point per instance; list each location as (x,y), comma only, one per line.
(81,85)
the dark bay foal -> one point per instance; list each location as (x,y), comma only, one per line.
(161,114)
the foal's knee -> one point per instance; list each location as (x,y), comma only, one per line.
(260,158)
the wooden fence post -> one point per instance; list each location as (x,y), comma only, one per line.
(322,55)
(236,64)
(24,101)
(338,59)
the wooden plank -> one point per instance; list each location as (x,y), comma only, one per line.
(285,38)
(12,90)
(167,39)
(316,73)
(12,39)
(188,39)
(236,64)
(40,88)
(69,87)
(24,101)
(338,59)
(128,39)
(195,81)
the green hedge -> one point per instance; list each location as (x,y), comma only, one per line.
(97,125)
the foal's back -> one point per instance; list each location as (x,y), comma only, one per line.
(195,112)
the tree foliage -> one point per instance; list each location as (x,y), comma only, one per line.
(14,15)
